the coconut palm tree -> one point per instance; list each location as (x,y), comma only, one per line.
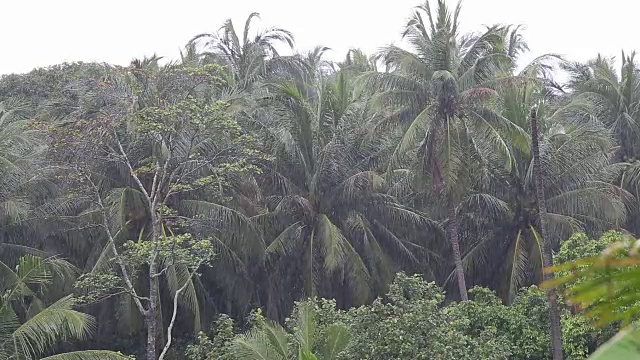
(438,92)
(329,226)
(615,97)
(246,58)
(547,254)
(357,62)
(24,185)
(573,170)
(615,100)
(578,172)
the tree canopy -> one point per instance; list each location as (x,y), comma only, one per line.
(244,203)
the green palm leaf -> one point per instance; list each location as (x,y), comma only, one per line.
(88,355)
(338,338)
(623,346)
(42,332)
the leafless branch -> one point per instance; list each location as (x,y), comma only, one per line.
(128,163)
(112,244)
(173,316)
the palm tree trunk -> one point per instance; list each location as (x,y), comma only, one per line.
(455,246)
(452,230)
(547,256)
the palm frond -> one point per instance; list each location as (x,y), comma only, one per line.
(88,355)
(43,331)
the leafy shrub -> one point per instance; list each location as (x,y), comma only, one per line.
(413,322)
(218,345)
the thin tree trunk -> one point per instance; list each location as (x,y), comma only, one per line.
(455,246)
(151,322)
(437,184)
(547,256)
(154,292)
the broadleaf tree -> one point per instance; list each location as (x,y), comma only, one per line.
(163,132)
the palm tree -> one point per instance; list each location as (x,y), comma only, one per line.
(440,88)
(547,254)
(24,185)
(518,238)
(578,174)
(329,226)
(615,98)
(246,58)
(357,62)
(544,199)
(29,327)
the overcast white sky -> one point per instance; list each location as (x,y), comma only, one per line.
(35,33)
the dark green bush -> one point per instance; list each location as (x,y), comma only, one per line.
(413,322)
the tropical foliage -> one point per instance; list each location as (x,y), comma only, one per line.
(412,322)
(156,197)
(32,325)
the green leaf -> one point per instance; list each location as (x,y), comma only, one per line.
(338,340)
(89,355)
(624,346)
(40,333)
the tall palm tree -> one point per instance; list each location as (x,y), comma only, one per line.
(578,172)
(24,185)
(560,184)
(330,228)
(246,58)
(547,254)
(438,89)
(615,100)
(615,97)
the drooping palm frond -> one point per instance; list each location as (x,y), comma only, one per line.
(576,161)
(241,233)
(177,276)
(32,274)
(43,331)
(269,340)
(42,328)
(88,355)
(266,342)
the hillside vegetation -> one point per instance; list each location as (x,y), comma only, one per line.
(243,204)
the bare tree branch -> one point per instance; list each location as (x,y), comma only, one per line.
(128,163)
(112,244)
(173,316)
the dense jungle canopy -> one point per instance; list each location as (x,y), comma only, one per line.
(243,204)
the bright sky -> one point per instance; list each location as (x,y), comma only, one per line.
(35,33)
